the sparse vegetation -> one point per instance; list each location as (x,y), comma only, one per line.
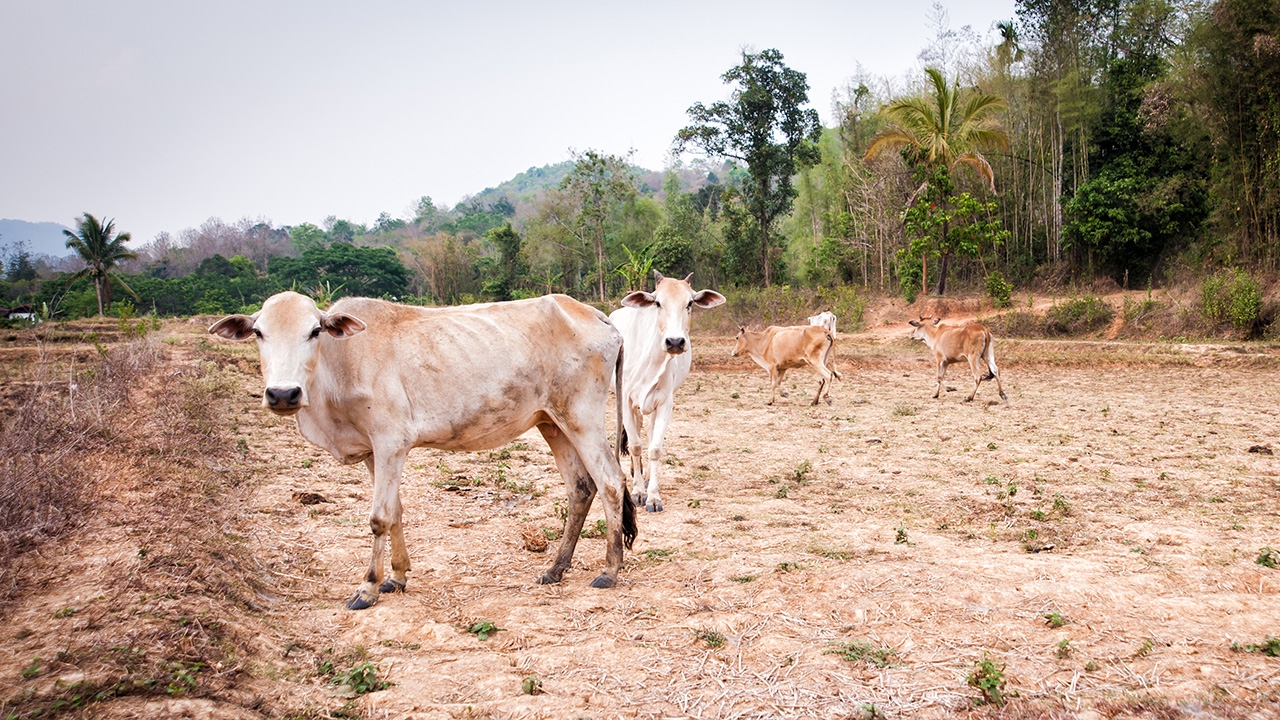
(989,680)
(712,638)
(483,629)
(1267,557)
(863,651)
(1054,619)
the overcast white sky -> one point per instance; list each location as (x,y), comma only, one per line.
(163,114)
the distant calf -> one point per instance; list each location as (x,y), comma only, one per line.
(825,319)
(779,349)
(972,342)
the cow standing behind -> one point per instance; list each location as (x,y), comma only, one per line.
(369,380)
(972,342)
(825,319)
(779,349)
(655,332)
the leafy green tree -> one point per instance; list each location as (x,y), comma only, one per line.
(20,267)
(306,236)
(386,223)
(598,185)
(940,131)
(101,250)
(512,270)
(367,271)
(765,127)
(944,222)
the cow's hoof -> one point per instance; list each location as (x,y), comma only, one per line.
(637,497)
(548,578)
(768,402)
(603,582)
(968,399)
(828,399)
(360,601)
(784,393)
(653,506)
(1004,397)
(391,586)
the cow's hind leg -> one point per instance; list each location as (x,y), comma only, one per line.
(619,512)
(383,517)
(978,376)
(580,489)
(824,382)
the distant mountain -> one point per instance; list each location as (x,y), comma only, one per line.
(42,238)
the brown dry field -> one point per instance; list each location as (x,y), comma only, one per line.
(1116,488)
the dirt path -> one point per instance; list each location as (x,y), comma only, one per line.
(1124,499)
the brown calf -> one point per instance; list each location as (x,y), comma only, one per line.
(779,349)
(972,342)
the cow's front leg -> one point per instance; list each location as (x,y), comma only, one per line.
(942,372)
(383,516)
(633,423)
(661,420)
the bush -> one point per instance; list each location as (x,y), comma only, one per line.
(1080,316)
(1231,297)
(999,290)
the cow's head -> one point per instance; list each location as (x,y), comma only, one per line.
(740,342)
(673,300)
(925,321)
(287,329)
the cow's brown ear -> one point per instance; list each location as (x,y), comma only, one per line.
(639,298)
(914,323)
(707,298)
(342,325)
(233,327)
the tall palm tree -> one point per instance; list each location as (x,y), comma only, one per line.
(944,128)
(101,253)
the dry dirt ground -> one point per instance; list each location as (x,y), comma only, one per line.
(1115,492)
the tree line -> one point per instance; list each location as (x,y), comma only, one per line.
(1136,140)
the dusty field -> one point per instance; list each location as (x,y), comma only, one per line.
(1116,489)
(785,533)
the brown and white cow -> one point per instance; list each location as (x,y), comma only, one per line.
(779,349)
(369,380)
(971,342)
(655,334)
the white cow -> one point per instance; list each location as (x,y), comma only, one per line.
(655,332)
(369,380)
(825,319)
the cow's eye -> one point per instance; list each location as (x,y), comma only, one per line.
(257,333)
(315,333)
(657,304)
(689,306)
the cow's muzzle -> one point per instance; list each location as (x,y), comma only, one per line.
(676,345)
(285,401)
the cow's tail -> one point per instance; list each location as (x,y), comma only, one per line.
(621,448)
(989,352)
(629,529)
(827,356)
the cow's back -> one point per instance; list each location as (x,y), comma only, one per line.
(788,346)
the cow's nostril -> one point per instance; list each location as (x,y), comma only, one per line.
(675,345)
(287,397)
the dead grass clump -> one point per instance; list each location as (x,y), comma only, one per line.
(62,421)
(1016,324)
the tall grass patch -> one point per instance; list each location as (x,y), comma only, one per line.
(1231,298)
(1078,316)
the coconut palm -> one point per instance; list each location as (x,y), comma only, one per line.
(942,129)
(101,253)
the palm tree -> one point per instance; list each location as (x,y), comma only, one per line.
(943,129)
(101,253)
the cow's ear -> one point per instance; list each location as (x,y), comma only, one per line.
(657,278)
(707,298)
(914,323)
(342,325)
(640,298)
(233,327)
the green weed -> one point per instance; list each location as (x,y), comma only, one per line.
(863,651)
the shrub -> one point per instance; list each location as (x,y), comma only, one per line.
(999,290)
(1080,316)
(1231,297)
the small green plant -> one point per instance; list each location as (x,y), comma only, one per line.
(988,678)
(1270,647)
(1064,649)
(362,678)
(598,530)
(900,536)
(1060,505)
(781,492)
(657,553)
(788,566)
(1054,619)
(862,651)
(694,503)
(713,639)
(1090,666)
(483,629)
(1013,489)
(999,290)
(1037,515)
(991,446)
(1145,648)
(743,578)
(904,410)
(306,463)
(32,670)
(531,685)
(66,612)
(1268,557)
(733,395)
(802,471)
(182,677)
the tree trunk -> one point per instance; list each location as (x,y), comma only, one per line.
(941,288)
(97,289)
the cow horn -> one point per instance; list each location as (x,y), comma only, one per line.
(688,278)
(657,278)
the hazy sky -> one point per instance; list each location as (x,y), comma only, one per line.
(164,114)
